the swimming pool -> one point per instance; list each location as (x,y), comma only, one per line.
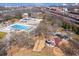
(20,27)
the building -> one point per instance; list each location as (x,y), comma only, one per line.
(24,17)
(37,15)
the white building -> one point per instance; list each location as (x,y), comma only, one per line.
(65,9)
(24,17)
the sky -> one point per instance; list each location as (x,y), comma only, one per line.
(9,2)
(35,4)
(39,1)
(29,4)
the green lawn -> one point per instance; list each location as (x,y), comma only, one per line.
(2,34)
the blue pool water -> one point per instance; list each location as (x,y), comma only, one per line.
(20,27)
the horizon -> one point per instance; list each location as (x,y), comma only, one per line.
(33,4)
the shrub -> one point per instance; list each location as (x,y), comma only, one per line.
(72,27)
(8,18)
(18,17)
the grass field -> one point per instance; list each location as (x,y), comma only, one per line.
(2,34)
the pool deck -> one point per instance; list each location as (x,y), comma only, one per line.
(33,23)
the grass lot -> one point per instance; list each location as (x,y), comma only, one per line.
(2,34)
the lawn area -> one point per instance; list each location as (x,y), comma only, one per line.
(2,34)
